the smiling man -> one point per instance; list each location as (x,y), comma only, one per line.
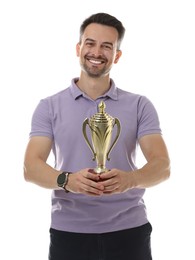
(98,50)
(97,216)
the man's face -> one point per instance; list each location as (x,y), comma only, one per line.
(98,50)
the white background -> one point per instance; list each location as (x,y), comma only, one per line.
(37,58)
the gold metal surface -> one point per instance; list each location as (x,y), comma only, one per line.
(101,125)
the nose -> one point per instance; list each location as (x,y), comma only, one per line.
(96,50)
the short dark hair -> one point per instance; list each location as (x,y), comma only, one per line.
(104,19)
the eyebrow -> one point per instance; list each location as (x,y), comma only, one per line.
(89,39)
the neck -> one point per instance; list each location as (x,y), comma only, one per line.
(93,87)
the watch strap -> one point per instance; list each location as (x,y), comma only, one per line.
(66,181)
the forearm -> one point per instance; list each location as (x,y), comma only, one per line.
(39,172)
(152,173)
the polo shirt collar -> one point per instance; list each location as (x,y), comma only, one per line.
(76,92)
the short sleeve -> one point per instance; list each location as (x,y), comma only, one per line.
(148,120)
(41,123)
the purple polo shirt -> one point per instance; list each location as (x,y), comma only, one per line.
(60,117)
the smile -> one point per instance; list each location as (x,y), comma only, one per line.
(95,62)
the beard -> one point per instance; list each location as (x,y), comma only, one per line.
(93,70)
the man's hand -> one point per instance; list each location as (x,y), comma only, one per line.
(116,181)
(85,181)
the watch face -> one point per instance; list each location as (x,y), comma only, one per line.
(61,179)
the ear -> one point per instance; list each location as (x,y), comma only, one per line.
(78,49)
(118,55)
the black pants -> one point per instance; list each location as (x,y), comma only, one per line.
(130,244)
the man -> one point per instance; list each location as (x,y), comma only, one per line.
(97,216)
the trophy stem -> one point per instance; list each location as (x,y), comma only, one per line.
(100,169)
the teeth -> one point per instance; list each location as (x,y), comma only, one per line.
(95,61)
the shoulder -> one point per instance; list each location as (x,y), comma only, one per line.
(133,98)
(57,96)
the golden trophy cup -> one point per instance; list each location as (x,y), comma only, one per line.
(101,125)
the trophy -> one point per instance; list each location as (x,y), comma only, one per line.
(101,125)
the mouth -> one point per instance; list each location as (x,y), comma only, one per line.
(95,61)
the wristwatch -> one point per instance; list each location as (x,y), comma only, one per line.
(62,180)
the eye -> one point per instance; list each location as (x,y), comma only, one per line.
(107,47)
(89,44)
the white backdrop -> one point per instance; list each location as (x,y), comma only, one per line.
(37,58)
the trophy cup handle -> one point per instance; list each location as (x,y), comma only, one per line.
(117,122)
(85,123)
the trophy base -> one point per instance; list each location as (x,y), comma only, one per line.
(100,169)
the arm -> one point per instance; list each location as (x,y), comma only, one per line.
(37,171)
(155,171)
(157,168)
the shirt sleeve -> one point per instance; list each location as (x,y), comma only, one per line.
(148,120)
(41,123)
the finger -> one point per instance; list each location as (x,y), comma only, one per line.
(92,175)
(107,175)
(108,182)
(111,188)
(92,190)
